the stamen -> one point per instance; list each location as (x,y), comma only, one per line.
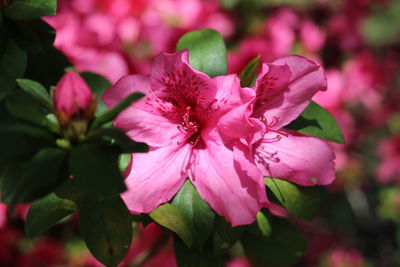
(271,140)
(278,132)
(190,128)
(262,156)
(274,122)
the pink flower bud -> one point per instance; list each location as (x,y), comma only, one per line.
(72,97)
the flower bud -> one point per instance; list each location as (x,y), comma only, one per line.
(73,99)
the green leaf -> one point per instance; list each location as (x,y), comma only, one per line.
(207,51)
(224,235)
(119,138)
(284,247)
(25,108)
(193,257)
(70,190)
(301,201)
(96,170)
(263,224)
(98,84)
(13,126)
(37,91)
(46,212)
(249,73)
(106,227)
(113,113)
(124,160)
(197,214)
(13,61)
(27,181)
(30,9)
(317,121)
(18,140)
(170,217)
(15,147)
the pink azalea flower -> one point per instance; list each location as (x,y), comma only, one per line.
(3,214)
(341,257)
(312,37)
(72,96)
(117,37)
(281,92)
(274,39)
(389,167)
(238,262)
(184,119)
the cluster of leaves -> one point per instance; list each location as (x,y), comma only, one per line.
(39,163)
(43,162)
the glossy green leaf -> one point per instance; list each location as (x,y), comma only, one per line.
(284,247)
(28,181)
(197,214)
(98,84)
(301,201)
(194,257)
(24,107)
(30,9)
(170,217)
(13,61)
(118,138)
(249,73)
(317,121)
(96,170)
(106,227)
(207,51)
(46,212)
(113,113)
(224,235)
(37,91)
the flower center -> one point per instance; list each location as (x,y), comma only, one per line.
(190,127)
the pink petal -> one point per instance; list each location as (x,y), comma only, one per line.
(306,79)
(124,87)
(236,101)
(300,159)
(155,177)
(72,94)
(247,169)
(277,210)
(142,124)
(271,85)
(174,79)
(228,90)
(230,195)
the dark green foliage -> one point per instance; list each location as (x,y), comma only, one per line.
(317,121)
